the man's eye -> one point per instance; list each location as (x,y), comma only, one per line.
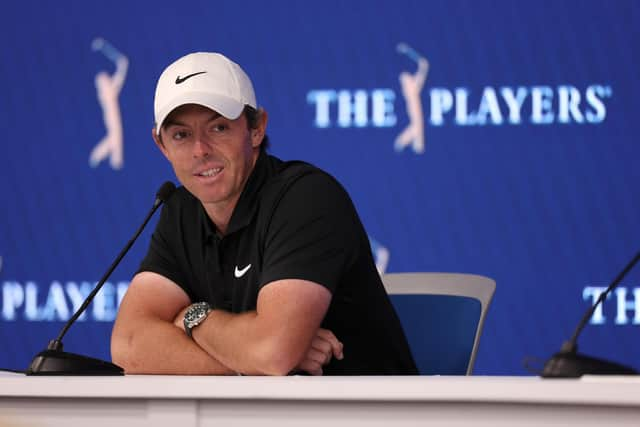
(219,127)
(180,135)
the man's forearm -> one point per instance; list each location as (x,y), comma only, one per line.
(273,339)
(246,345)
(158,347)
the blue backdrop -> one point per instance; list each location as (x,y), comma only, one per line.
(528,173)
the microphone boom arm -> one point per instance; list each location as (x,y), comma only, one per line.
(568,363)
(54,361)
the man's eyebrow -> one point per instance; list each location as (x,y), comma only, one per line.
(170,121)
(214,115)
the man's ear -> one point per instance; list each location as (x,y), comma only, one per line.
(257,134)
(158,140)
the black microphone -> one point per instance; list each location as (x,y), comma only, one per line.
(568,363)
(54,361)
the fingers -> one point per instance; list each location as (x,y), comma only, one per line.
(318,356)
(318,345)
(314,360)
(327,342)
(323,347)
(311,367)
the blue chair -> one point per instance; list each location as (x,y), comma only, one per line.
(442,315)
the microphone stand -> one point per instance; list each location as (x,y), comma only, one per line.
(568,363)
(53,360)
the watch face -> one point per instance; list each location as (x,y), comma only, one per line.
(196,313)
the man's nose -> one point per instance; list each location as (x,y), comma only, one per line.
(201,147)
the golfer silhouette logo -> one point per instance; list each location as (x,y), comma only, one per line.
(412,84)
(108,87)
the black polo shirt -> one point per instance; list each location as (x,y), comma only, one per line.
(292,221)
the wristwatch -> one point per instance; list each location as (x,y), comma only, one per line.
(195,314)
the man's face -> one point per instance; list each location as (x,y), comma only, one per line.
(211,155)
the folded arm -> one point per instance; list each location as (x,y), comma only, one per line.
(277,337)
(145,339)
(281,336)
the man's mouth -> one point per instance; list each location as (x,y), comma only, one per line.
(210,172)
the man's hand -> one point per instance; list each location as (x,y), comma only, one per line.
(324,346)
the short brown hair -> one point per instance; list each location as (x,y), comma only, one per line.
(253,115)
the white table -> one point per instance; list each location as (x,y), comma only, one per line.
(180,401)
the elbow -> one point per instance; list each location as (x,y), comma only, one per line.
(121,353)
(276,358)
(276,367)
(118,353)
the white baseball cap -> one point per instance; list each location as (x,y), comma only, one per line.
(208,79)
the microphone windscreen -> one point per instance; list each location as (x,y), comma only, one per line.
(165,191)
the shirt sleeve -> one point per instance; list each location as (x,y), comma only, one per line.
(160,258)
(312,234)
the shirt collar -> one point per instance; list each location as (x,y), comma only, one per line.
(247,204)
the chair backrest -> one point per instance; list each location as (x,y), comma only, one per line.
(442,315)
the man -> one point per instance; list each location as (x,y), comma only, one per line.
(256,266)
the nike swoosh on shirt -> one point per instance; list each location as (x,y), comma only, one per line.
(182,79)
(240,273)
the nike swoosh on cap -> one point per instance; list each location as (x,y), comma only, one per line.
(239,273)
(182,79)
